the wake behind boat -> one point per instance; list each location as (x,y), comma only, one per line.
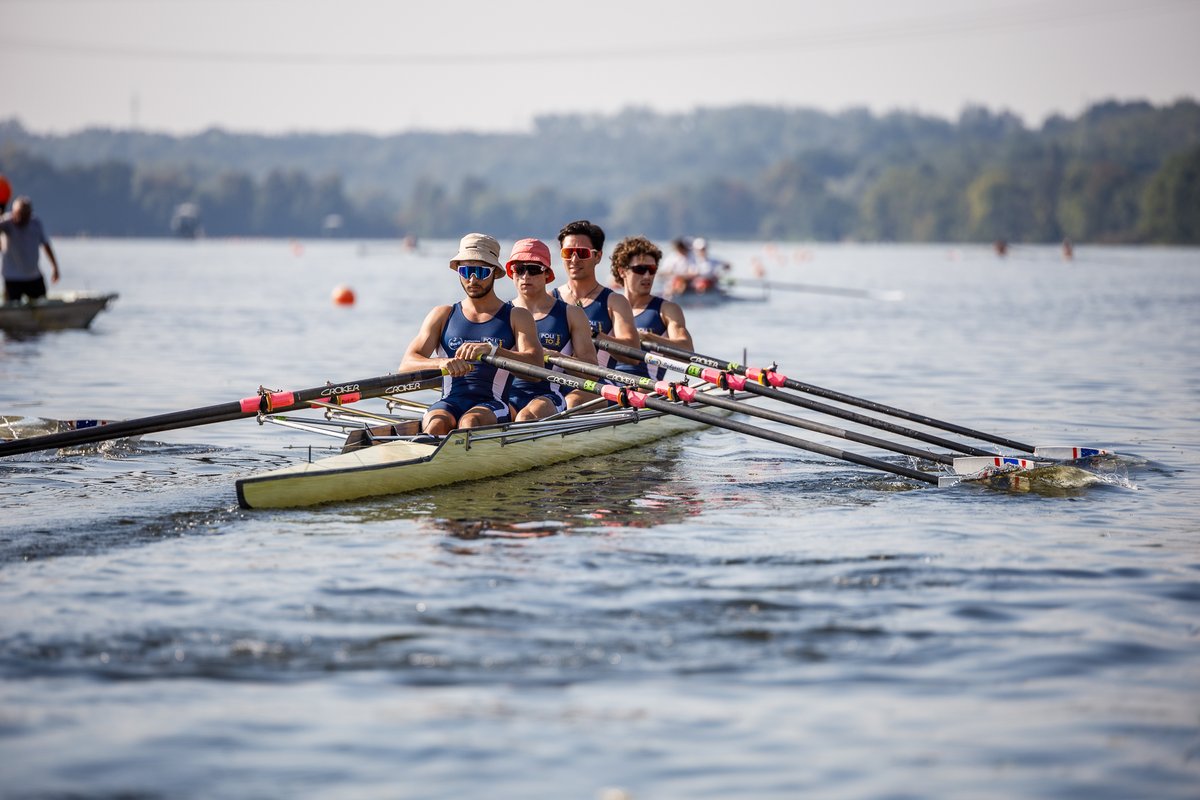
(55,312)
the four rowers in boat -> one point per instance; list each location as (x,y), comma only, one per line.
(454,337)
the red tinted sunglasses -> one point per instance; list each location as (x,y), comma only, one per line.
(577,252)
(642,269)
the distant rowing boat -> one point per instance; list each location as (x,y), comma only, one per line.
(715,295)
(57,312)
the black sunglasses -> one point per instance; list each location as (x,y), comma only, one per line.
(529,269)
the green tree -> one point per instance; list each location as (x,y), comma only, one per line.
(1000,206)
(795,204)
(1099,202)
(1170,210)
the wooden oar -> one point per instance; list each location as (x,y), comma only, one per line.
(773,378)
(690,395)
(728,379)
(262,403)
(629,398)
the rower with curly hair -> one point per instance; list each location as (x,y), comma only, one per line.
(634,264)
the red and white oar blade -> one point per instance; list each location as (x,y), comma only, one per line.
(1068,453)
(990,465)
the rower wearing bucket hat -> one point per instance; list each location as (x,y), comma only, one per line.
(561,327)
(452,338)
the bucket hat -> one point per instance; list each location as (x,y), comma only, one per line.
(478,247)
(527,250)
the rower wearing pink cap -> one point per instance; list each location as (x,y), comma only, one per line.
(561,327)
(452,338)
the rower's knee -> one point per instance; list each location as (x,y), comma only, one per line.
(477,417)
(438,423)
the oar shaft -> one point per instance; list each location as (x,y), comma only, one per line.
(642,400)
(830,394)
(807,288)
(338,393)
(648,384)
(697,371)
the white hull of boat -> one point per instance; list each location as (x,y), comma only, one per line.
(464,455)
(56,312)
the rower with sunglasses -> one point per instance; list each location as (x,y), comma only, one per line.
(452,338)
(609,314)
(634,264)
(561,328)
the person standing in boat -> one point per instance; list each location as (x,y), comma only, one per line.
(22,236)
(452,338)
(561,328)
(635,261)
(608,313)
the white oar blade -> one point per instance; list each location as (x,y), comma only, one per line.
(974,465)
(1068,453)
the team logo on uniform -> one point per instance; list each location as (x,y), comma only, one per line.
(455,343)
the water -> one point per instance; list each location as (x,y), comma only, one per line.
(711,616)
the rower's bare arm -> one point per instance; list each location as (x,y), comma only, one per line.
(581,335)
(528,347)
(624,329)
(419,354)
(677,332)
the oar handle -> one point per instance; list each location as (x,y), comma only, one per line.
(340,393)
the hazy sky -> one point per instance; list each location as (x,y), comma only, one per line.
(383,66)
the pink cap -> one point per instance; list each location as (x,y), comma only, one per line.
(528,250)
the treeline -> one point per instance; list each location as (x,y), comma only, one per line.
(1120,172)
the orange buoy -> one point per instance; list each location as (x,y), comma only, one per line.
(343,295)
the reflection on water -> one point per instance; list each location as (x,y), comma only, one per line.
(630,489)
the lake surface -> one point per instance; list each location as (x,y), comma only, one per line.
(710,616)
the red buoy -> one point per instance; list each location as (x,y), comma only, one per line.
(343,295)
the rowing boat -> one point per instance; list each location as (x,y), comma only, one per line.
(56,312)
(401,461)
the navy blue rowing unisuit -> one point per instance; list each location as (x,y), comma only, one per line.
(485,385)
(554,332)
(648,320)
(598,318)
